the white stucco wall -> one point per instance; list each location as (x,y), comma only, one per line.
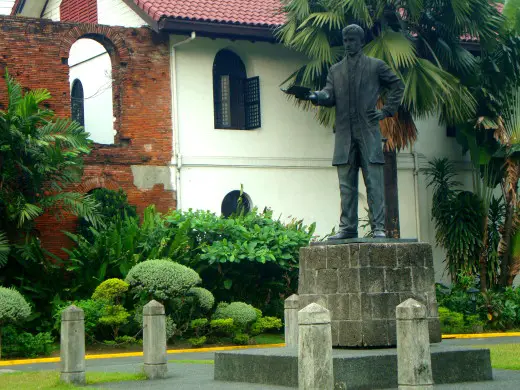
(6,6)
(90,63)
(117,13)
(285,164)
(52,10)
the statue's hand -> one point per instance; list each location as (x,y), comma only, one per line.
(313,97)
(376,115)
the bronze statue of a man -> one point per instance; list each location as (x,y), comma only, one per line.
(353,87)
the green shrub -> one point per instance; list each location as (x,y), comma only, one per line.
(24,344)
(110,290)
(204,297)
(92,310)
(241,339)
(13,306)
(241,313)
(265,324)
(112,204)
(453,322)
(224,326)
(127,340)
(197,341)
(161,279)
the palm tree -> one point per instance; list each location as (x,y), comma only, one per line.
(39,158)
(421,40)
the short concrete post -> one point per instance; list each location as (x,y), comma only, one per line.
(154,340)
(72,346)
(291,305)
(314,349)
(414,366)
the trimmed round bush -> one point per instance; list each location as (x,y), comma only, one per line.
(241,313)
(162,279)
(13,306)
(204,297)
(110,289)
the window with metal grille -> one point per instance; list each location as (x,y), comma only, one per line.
(80,11)
(77,104)
(236,98)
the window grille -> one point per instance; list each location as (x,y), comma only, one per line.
(236,98)
(77,104)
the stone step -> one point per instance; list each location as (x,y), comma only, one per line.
(357,368)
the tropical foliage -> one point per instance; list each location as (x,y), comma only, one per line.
(40,156)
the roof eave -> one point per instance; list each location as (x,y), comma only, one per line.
(217,30)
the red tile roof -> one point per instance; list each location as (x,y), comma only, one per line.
(247,12)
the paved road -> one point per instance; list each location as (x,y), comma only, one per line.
(200,376)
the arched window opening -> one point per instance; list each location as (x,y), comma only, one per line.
(90,67)
(236,98)
(77,103)
(236,202)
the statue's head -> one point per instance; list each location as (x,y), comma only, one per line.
(353,38)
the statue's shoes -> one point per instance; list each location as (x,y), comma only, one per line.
(379,234)
(342,235)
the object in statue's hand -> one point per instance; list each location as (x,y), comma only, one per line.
(302,93)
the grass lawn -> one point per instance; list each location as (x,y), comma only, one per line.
(504,356)
(269,338)
(43,380)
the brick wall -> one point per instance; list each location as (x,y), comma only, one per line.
(36,51)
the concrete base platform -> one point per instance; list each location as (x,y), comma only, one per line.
(355,368)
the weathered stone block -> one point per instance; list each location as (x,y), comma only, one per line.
(354,255)
(398,279)
(350,333)
(337,257)
(316,258)
(375,332)
(372,280)
(348,280)
(355,312)
(422,280)
(383,255)
(307,281)
(383,305)
(327,281)
(340,304)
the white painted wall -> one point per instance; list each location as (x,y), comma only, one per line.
(90,63)
(6,6)
(52,10)
(285,164)
(117,13)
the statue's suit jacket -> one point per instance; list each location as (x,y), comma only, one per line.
(372,75)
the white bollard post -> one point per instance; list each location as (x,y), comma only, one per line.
(414,366)
(72,346)
(291,306)
(154,340)
(314,349)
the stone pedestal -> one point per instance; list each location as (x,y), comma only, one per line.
(362,283)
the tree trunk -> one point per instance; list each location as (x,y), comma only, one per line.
(484,256)
(391,196)
(506,258)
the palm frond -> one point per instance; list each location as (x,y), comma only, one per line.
(28,212)
(359,10)
(329,19)
(393,48)
(4,249)
(81,205)
(512,119)
(427,88)
(14,93)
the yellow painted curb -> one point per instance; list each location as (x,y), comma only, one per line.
(480,335)
(133,354)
